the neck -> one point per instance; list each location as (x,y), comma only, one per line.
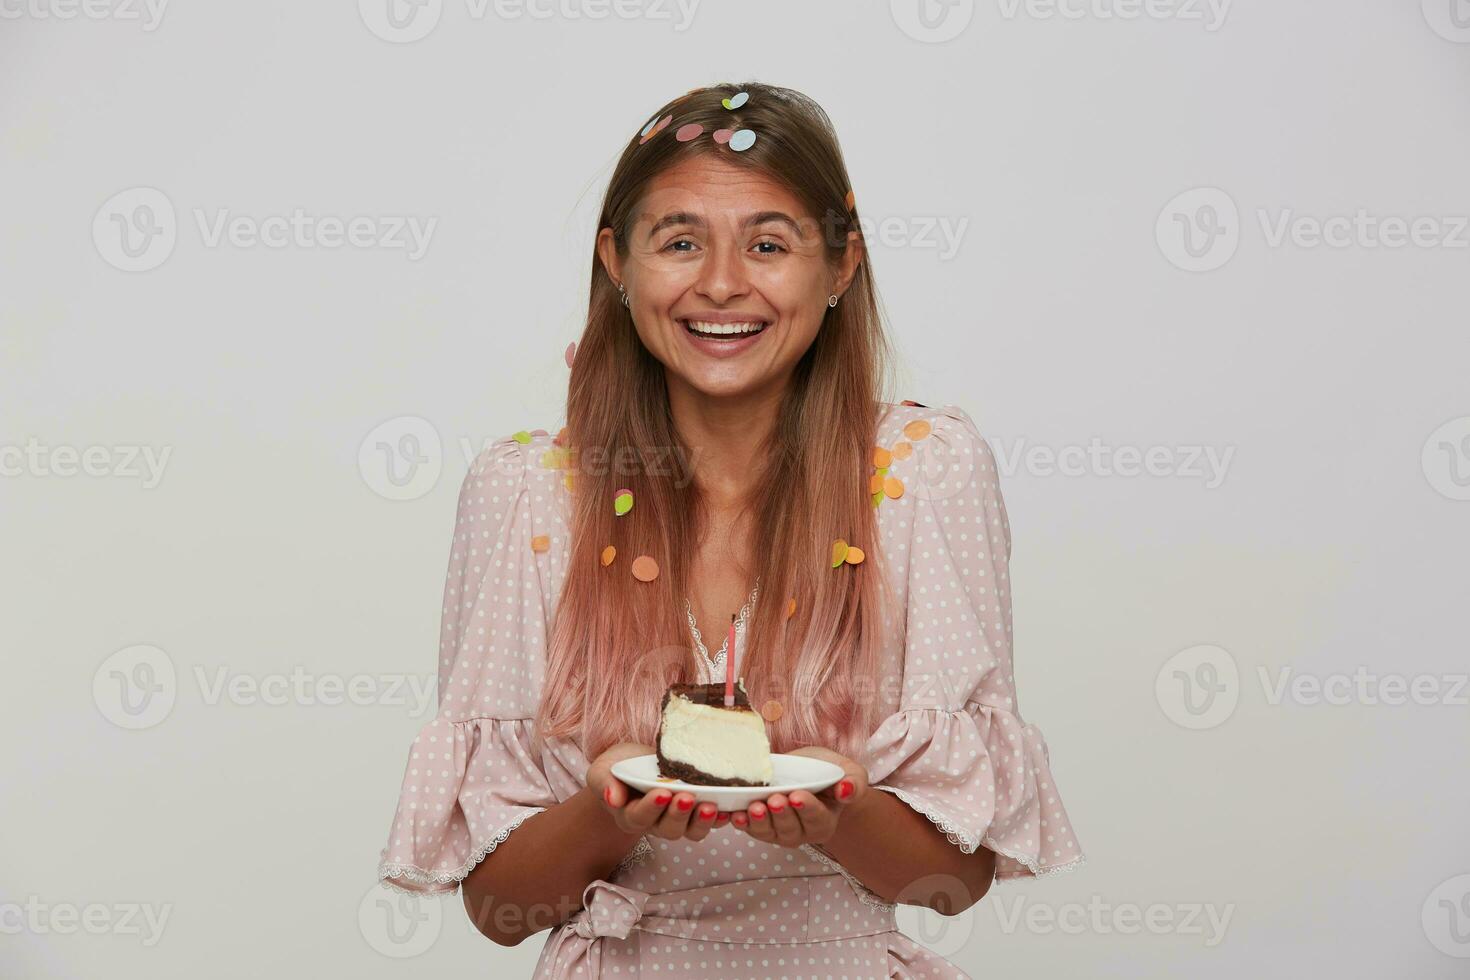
(728,437)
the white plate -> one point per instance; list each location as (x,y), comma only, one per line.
(788,772)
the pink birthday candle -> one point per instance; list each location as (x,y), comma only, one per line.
(730,666)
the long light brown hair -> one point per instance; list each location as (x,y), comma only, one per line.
(616,643)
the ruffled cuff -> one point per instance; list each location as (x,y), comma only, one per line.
(467,786)
(983,778)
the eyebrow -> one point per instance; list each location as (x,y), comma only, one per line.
(676,218)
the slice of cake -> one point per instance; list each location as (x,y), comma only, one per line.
(703,742)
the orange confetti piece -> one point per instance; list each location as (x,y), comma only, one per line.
(772,710)
(875,483)
(893,487)
(851,200)
(561,437)
(608,554)
(882,458)
(540,543)
(790,608)
(917,429)
(855,556)
(903,450)
(839,552)
(645,569)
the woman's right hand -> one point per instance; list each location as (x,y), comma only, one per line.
(660,812)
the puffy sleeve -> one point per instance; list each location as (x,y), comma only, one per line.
(472,776)
(957,750)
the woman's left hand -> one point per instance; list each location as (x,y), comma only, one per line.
(793,819)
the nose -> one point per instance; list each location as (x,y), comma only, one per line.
(722,275)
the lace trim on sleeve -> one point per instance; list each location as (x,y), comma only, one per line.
(418,875)
(868,898)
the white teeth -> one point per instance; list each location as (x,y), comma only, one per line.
(723,329)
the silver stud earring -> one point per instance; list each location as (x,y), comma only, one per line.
(623,293)
(832,300)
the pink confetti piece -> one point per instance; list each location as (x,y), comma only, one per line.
(722,136)
(688,132)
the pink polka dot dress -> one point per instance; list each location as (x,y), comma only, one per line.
(951,745)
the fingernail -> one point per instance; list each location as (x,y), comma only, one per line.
(662,798)
(796,804)
(685,804)
(844,789)
(775,809)
(707,814)
(607,794)
(739,820)
(758,814)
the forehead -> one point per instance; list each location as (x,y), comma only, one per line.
(704,184)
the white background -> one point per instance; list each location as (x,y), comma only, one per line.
(1333,543)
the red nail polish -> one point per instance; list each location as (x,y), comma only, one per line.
(844,789)
(775,808)
(662,798)
(707,814)
(796,804)
(685,804)
(758,814)
(607,794)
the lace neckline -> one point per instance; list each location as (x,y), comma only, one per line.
(716,664)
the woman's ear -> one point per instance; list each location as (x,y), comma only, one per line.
(607,253)
(847,266)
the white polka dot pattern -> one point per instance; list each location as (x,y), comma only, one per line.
(957,750)
(952,744)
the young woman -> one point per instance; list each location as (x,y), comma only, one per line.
(730,375)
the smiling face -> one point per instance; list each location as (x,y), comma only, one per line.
(727,276)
